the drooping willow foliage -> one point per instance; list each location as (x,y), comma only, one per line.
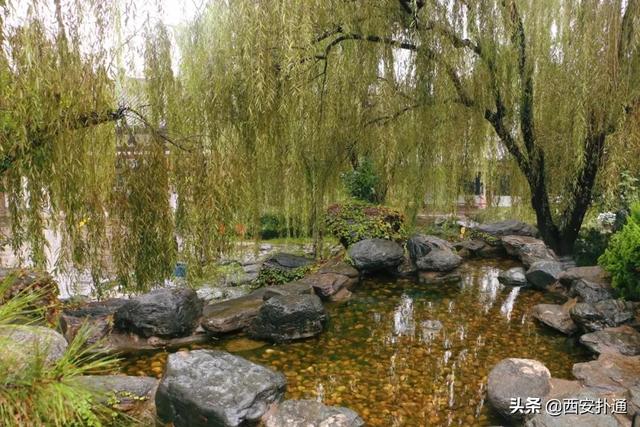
(272,100)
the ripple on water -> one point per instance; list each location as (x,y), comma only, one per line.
(403,353)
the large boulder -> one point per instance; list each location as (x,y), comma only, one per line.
(20,343)
(420,245)
(612,372)
(204,388)
(527,249)
(288,317)
(543,273)
(232,315)
(310,413)
(513,277)
(623,339)
(555,316)
(516,378)
(163,313)
(439,260)
(508,228)
(376,254)
(603,314)
(591,292)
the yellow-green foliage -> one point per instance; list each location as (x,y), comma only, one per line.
(622,257)
(355,221)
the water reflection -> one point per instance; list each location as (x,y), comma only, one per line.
(424,358)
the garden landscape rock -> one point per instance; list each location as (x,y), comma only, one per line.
(590,292)
(430,253)
(310,413)
(516,378)
(513,277)
(289,317)
(527,249)
(603,314)
(20,342)
(555,316)
(623,339)
(232,315)
(543,273)
(166,313)
(508,228)
(286,262)
(203,388)
(375,254)
(420,245)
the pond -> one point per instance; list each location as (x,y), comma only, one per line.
(383,355)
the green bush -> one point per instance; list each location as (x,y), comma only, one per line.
(622,257)
(357,221)
(276,276)
(590,245)
(273,226)
(362,183)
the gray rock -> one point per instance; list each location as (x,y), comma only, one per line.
(204,388)
(326,285)
(603,314)
(122,387)
(232,315)
(555,316)
(513,277)
(376,254)
(591,273)
(543,273)
(527,249)
(469,248)
(163,313)
(97,308)
(309,413)
(439,260)
(298,287)
(612,372)
(623,339)
(284,261)
(21,343)
(420,245)
(508,228)
(288,317)
(545,419)
(97,327)
(591,292)
(516,378)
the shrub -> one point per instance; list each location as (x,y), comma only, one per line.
(590,245)
(362,182)
(622,257)
(273,226)
(34,392)
(276,276)
(355,221)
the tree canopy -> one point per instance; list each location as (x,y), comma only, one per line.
(271,101)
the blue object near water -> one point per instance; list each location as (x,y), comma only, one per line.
(180,270)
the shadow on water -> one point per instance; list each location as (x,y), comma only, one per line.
(403,353)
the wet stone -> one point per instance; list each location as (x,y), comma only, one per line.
(590,292)
(513,277)
(555,316)
(541,274)
(310,413)
(232,315)
(21,341)
(623,339)
(527,249)
(603,314)
(439,260)
(376,254)
(508,228)
(203,388)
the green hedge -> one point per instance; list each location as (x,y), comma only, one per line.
(352,222)
(622,257)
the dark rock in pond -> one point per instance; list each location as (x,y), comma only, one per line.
(567,419)
(284,261)
(603,314)
(434,277)
(164,313)
(555,316)
(469,248)
(406,269)
(298,287)
(232,315)
(310,413)
(21,342)
(508,228)
(326,285)
(491,251)
(591,292)
(288,317)
(592,274)
(623,339)
(541,274)
(516,378)
(340,267)
(439,260)
(513,277)
(527,249)
(376,254)
(420,245)
(612,372)
(97,308)
(204,388)
(98,327)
